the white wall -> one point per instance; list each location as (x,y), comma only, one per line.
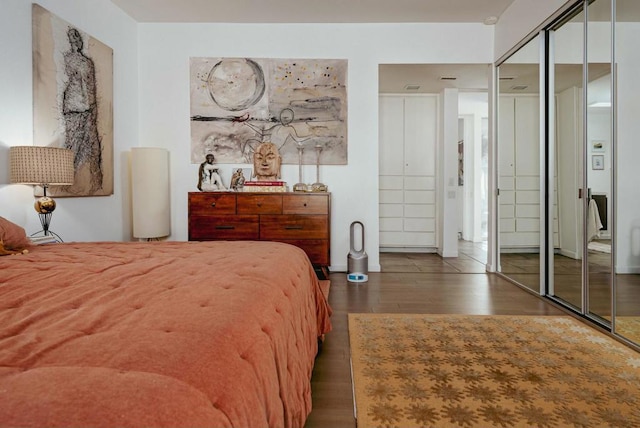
(164,98)
(151,100)
(151,104)
(75,219)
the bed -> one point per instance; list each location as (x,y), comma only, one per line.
(194,334)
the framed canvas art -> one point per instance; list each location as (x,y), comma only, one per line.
(299,105)
(597,162)
(73,101)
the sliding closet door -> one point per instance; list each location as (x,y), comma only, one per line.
(627,167)
(580,54)
(598,161)
(565,171)
(519,166)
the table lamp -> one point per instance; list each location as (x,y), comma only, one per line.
(42,166)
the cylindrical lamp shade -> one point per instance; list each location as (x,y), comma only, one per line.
(150,192)
(41,165)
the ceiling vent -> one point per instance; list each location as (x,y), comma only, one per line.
(413,87)
(519,87)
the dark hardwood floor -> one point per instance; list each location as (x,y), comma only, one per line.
(408,283)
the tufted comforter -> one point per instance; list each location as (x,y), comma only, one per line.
(198,334)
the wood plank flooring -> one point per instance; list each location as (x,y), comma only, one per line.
(408,283)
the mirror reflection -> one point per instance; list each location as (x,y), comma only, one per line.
(592,258)
(518,166)
(566,68)
(598,162)
(627,160)
(581,147)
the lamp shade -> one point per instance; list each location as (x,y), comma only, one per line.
(41,165)
(150,192)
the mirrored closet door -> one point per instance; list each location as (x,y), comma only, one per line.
(585,145)
(580,167)
(518,166)
(626,164)
(598,162)
(565,169)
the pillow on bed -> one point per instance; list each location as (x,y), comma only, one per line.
(12,236)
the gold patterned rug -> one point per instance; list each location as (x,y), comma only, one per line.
(628,327)
(490,371)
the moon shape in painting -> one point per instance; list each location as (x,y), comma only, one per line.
(236,84)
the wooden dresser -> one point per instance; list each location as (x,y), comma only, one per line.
(301,219)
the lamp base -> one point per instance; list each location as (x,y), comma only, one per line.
(44,205)
(299,187)
(319,187)
(45,220)
(45,237)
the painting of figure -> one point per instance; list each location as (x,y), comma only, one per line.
(73,93)
(299,105)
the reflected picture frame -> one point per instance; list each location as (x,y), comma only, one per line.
(597,162)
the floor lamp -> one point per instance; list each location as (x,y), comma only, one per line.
(150,193)
(42,166)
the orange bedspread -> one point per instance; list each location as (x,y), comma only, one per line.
(191,334)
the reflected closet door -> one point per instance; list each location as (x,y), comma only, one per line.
(566,57)
(519,166)
(626,159)
(598,162)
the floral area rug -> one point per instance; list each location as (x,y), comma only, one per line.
(490,371)
(628,327)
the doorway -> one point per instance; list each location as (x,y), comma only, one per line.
(411,168)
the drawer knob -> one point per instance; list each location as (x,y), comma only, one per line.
(259,204)
(213,204)
(225,227)
(305,204)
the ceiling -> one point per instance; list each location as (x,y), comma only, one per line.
(312,11)
(393,78)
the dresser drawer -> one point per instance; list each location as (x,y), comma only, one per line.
(277,227)
(317,249)
(255,203)
(300,219)
(206,203)
(305,204)
(233,227)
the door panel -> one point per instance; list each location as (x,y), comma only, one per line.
(580,63)
(626,158)
(598,161)
(518,166)
(566,59)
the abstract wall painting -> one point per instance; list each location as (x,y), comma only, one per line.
(300,105)
(73,101)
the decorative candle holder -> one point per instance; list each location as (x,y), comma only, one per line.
(300,186)
(318,186)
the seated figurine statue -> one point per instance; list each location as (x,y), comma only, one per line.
(209,179)
(237,180)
